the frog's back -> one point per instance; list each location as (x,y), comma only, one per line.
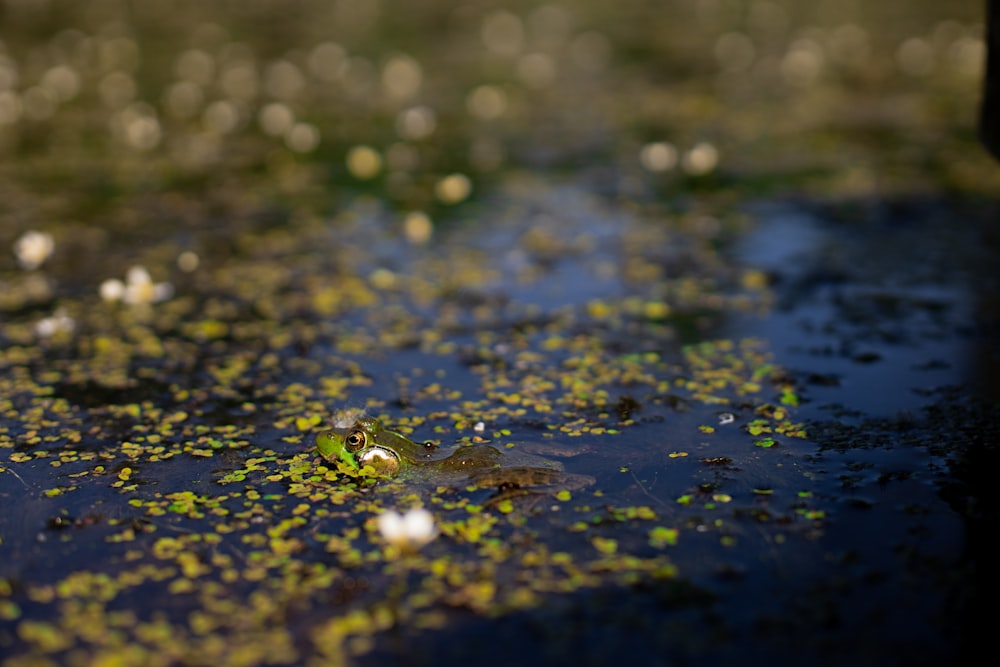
(468,459)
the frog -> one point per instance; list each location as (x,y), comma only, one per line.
(389,453)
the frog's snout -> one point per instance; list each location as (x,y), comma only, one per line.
(327,444)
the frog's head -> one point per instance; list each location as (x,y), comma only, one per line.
(332,446)
(358,447)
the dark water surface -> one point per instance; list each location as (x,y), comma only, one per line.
(732,261)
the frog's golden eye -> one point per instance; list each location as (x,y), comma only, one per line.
(355,441)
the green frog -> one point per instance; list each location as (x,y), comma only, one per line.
(368,443)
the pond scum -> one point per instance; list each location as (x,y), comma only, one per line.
(256,551)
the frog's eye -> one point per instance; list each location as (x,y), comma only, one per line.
(355,441)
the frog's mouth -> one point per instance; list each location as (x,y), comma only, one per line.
(382,459)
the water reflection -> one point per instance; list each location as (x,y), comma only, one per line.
(876,322)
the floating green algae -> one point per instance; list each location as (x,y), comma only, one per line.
(238,535)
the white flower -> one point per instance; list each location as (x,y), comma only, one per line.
(408,531)
(56,323)
(138,288)
(701,159)
(33,248)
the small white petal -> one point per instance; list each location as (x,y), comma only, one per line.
(112,290)
(409,531)
(33,248)
(138,275)
(390,524)
(55,323)
(418,525)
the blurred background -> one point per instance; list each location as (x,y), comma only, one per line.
(317,100)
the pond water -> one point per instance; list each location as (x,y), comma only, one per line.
(729,263)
